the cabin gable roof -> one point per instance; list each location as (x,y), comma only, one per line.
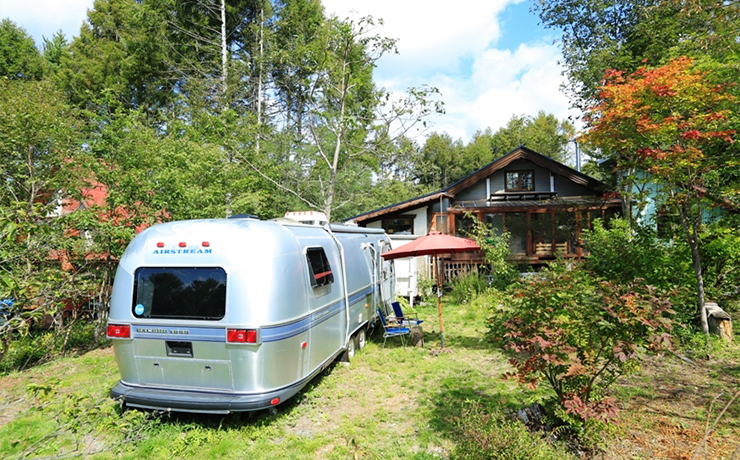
(407,205)
(522,152)
(473,179)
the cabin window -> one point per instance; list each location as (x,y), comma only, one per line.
(464,225)
(319,267)
(519,181)
(440,223)
(541,226)
(193,293)
(495,222)
(518,226)
(566,235)
(668,224)
(401,225)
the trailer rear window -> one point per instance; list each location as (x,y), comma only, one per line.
(180,293)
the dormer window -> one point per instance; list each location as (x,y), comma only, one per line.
(519,181)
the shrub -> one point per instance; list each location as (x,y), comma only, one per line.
(425,289)
(721,264)
(495,247)
(484,432)
(578,334)
(468,286)
(41,345)
(623,254)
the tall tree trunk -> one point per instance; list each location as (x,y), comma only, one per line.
(260,76)
(691,225)
(626,198)
(224,69)
(224,89)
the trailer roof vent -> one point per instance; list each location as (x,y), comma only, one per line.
(308,217)
(244,216)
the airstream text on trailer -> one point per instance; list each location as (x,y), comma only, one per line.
(230,315)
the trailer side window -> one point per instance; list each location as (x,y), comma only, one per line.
(319,267)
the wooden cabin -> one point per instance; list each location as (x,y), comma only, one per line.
(543,204)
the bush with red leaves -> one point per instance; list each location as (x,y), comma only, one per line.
(579,334)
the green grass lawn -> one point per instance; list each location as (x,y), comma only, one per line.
(392,402)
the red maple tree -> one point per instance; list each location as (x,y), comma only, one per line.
(675,123)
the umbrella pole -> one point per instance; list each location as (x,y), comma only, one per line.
(439,307)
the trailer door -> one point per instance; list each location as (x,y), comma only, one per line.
(371,259)
(387,275)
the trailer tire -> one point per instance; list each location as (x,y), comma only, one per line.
(360,339)
(351,349)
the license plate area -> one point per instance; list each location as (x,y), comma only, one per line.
(179,349)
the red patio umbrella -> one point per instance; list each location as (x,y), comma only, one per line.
(434,244)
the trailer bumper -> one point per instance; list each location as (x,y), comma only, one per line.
(199,401)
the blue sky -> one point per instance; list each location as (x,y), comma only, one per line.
(490,59)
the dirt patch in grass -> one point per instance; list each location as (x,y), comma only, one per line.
(668,412)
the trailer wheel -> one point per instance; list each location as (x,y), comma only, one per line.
(360,339)
(351,348)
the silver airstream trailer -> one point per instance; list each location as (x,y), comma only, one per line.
(228,315)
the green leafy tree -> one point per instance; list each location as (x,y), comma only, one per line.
(119,60)
(299,38)
(19,57)
(349,120)
(544,133)
(627,34)
(40,160)
(55,49)
(439,165)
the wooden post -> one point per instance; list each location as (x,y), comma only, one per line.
(439,307)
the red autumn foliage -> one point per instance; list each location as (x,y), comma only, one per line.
(579,334)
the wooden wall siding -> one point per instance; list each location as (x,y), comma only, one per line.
(476,192)
(564,187)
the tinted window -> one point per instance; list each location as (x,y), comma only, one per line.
(399,225)
(319,267)
(180,293)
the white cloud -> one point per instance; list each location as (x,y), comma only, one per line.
(45,17)
(431,35)
(453,48)
(519,83)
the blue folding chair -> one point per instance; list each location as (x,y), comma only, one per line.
(392,330)
(404,320)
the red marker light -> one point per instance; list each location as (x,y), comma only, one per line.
(304,344)
(183,244)
(241,335)
(160,245)
(274,401)
(206,244)
(251,336)
(119,331)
